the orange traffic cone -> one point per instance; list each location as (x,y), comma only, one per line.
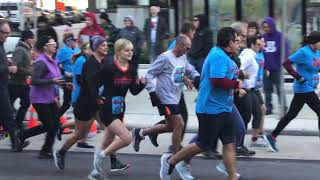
(63,120)
(93,130)
(33,120)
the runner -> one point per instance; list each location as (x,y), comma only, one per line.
(307,61)
(169,70)
(213,107)
(117,76)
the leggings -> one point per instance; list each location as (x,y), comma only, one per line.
(299,99)
(48,115)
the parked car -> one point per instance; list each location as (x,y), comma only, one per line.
(72,14)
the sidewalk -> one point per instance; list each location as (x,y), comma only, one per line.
(290,147)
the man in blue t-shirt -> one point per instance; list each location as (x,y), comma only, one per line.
(214,106)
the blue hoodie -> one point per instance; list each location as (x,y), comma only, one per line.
(272,51)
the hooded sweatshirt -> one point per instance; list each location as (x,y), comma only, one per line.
(94,30)
(272,52)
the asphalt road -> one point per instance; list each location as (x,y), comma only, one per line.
(26,166)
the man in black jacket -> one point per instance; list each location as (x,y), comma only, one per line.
(155,30)
(201,43)
(18,85)
(6,112)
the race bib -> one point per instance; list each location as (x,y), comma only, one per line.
(117,104)
(177,75)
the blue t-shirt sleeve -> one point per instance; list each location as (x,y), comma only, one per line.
(77,68)
(297,57)
(217,67)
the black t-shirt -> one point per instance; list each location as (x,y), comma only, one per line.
(116,82)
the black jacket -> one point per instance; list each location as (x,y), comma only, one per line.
(161,33)
(4,72)
(49,32)
(22,59)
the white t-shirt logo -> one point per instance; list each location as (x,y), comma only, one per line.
(271,46)
(177,75)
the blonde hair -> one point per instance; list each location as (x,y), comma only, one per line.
(122,44)
(83,47)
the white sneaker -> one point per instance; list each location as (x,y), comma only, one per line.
(165,167)
(184,170)
(259,143)
(222,168)
(100,164)
(95,175)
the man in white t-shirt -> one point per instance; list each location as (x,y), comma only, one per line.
(155,30)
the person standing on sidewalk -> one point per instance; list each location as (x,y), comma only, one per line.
(134,35)
(155,30)
(92,28)
(201,43)
(18,85)
(214,106)
(168,70)
(307,61)
(6,110)
(45,80)
(111,32)
(272,54)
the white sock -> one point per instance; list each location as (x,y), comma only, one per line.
(140,133)
(102,154)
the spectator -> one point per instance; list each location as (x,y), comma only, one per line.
(45,29)
(18,86)
(201,43)
(134,35)
(155,30)
(272,54)
(110,30)
(92,27)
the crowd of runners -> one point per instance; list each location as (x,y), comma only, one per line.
(97,68)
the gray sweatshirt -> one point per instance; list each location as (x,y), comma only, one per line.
(165,77)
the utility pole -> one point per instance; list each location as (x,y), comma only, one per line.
(283,54)
(21,10)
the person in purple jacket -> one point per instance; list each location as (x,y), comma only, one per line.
(45,78)
(272,54)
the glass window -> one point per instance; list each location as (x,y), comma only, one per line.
(254,10)
(198,7)
(313,16)
(294,25)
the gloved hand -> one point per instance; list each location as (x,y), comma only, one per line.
(196,82)
(155,101)
(301,79)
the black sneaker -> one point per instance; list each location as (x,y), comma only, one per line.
(58,160)
(118,166)
(18,142)
(45,155)
(136,139)
(244,151)
(153,139)
(84,145)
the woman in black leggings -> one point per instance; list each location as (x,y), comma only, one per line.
(307,61)
(45,80)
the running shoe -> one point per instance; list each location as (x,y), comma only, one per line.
(100,164)
(271,143)
(58,160)
(95,175)
(165,167)
(222,169)
(118,166)
(244,151)
(45,155)
(260,142)
(184,170)
(136,139)
(153,139)
(84,145)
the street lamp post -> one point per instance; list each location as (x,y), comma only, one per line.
(283,54)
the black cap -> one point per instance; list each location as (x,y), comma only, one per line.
(26,34)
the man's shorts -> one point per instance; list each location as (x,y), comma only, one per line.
(168,109)
(214,126)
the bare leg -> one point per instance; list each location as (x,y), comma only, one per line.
(188,151)
(108,138)
(119,129)
(229,159)
(263,112)
(178,125)
(159,128)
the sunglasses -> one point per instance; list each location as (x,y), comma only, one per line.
(4,32)
(51,44)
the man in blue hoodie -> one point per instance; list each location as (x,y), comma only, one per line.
(272,65)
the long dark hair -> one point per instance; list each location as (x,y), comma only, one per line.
(312,38)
